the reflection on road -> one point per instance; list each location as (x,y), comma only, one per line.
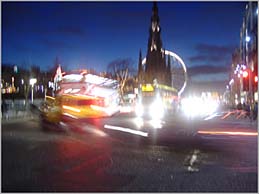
(228,133)
(132,131)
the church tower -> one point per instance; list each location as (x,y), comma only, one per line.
(156,67)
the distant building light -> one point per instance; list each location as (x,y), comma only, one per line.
(33,81)
(15,69)
(51,84)
(248,38)
(231,81)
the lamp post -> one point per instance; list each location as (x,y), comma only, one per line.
(32,82)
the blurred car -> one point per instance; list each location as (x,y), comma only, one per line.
(66,108)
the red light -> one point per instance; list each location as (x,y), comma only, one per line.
(245,74)
(256,79)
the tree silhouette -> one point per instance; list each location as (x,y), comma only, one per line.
(121,70)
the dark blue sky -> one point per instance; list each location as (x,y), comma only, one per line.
(92,34)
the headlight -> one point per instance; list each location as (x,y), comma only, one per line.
(156,110)
(139,110)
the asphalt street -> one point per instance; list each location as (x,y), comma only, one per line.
(124,154)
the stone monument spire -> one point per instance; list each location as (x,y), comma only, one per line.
(155,59)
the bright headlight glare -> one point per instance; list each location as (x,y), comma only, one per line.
(197,107)
(157,110)
(139,110)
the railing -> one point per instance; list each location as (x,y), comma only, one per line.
(240,114)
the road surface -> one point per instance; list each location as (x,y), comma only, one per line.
(118,155)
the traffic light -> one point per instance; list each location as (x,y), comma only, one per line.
(245,81)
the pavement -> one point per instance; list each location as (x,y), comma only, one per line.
(242,121)
(16,116)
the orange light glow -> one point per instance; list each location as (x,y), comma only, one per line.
(71,108)
(50,97)
(245,74)
(228,133)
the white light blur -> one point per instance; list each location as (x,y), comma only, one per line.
(156,109)
(195,106)
(73,77)
(248,38)
(110,110)
(94,79)
(128,130)
(71,108)
(139,110)
(66,91)
(125,109)
(33,81)
(231,81)
(156,123)
(139,122)
(51,84)
(101,92)
(75,91)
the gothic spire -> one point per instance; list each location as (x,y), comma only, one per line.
(155,60)
(140,68)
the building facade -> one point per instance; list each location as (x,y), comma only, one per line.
(244,72)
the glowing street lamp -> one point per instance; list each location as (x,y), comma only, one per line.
(248,38)
(32,82)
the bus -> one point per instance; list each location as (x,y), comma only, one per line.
(84,95)
(156,100)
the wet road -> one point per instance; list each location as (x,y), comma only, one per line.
(108,154)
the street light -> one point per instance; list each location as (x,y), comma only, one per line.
(248,38)
(32,82)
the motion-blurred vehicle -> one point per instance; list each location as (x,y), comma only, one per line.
(156,100)
(81,96)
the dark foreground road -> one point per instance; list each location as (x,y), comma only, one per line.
(90,157)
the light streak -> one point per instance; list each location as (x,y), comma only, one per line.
(128,130)
(228,133)
(50,97)
(72,116)
(71,108)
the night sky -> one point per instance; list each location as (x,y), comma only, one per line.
(93,34)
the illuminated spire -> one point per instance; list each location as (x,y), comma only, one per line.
(155,63)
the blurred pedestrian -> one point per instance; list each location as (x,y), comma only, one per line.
(3,107)
(239,106)
(248,111)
